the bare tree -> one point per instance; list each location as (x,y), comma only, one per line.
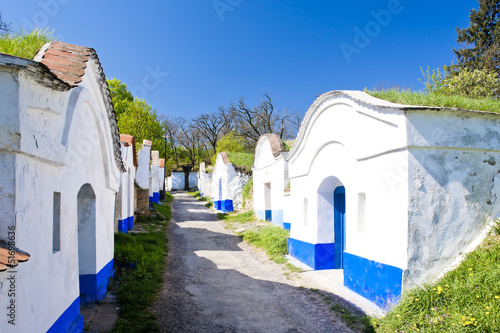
(171,126)
(252,122)
(4,27)
(212,126)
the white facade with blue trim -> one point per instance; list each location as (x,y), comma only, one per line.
(154,190)
(270,180)
(126,195)
(61,162)
(390,193)
(227,185)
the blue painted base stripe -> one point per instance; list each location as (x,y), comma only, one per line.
(225,206)
(377,282)
(93,287)
(123,226)
(287,226)
(130,223)
(70,320)
(275,216)
(317,256)
(156,197)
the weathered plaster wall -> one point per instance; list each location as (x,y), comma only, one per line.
(9,142)
(453,186)
(65,143)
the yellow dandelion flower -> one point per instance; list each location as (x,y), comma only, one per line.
(487,307)
(470,269)
(397,315)
(487,313)
(497,296)
(416,299)
(447,286)
(471,274)
(477,296)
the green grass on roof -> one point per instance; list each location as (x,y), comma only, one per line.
(241,160)
(25,44)
(408,97)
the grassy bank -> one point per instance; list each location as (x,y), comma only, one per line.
(466,299)
(409,97)
(140,262)
(25,44)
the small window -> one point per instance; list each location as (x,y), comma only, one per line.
(361,213)
(56,223)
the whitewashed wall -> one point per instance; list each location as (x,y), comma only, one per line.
(227,185)
(270,178)
(204,182)
(154,191)
(126,194)
(454,183)
(142,175)
(178,180)
(358,146)
(414,183)
(58,142)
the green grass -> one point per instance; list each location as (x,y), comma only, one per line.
(243,161)
(195,194)
(241,218)
(409,97)
(272,239)
(140,262)
(466,299)
(247,192)
(25,44)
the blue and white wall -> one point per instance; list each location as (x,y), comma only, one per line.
(59,160)
(270,179)
(360,147)
(421,185)
(126,199)
(154,190)
(227,185)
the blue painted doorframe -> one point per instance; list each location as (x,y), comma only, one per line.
(339,226)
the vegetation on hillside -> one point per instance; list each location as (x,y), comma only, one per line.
(466,299)
(25,44)
(409,97)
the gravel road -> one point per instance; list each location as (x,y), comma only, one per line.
(214,282)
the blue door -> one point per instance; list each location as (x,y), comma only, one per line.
(339,227)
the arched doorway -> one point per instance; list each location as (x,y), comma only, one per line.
(86,213)
(331,223)
(339,225)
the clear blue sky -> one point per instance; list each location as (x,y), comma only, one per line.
(206,53)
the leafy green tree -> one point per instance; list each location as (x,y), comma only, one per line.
(482,38)
(231,142)
(120,96)
(141,121)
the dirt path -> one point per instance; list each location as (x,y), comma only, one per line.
(214,282)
